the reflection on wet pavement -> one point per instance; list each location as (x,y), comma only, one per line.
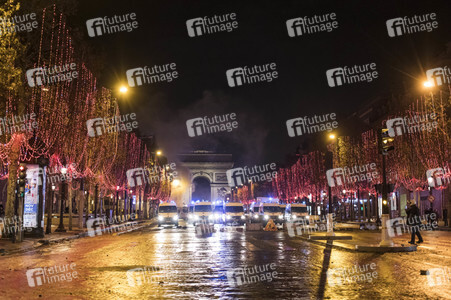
(174,263)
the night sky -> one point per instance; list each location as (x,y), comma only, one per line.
(261,37)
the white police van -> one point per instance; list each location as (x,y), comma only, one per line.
(271,211)
(298,211)
(234,213)
(203,212)
(167,214)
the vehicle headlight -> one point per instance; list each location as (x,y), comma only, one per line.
(243,217)
(210,216)
(160,218)
(294,216)
(196,217)
(176,217)
(280,217)
(266,217)
(256,217)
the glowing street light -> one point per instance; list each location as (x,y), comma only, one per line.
(123,89)
(158,152)
(332,136)
(176,183)
(428,84)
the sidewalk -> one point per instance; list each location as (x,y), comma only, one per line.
(30,243)
(433,240)
(353,225)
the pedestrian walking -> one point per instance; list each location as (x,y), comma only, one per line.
(413,220)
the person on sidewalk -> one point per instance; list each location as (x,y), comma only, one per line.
(445,216)
(413,220)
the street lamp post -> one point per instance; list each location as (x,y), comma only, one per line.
(329,165)
(96,199)
(117,202)
(386,240)
(62,193)
(130,201)
(385,145)
(48,229)
(156,154)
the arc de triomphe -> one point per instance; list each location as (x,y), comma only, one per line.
(207,165)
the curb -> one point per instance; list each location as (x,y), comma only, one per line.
(363,248)
(325,244)
(45,242)
(385,249)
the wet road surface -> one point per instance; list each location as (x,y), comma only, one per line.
(174,263)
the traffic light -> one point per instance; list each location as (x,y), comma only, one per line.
(22,177)
(385,142)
